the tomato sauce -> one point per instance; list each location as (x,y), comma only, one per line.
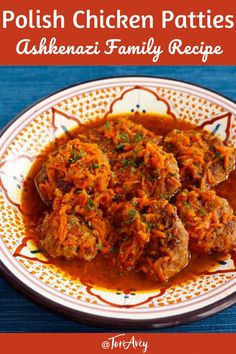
(99,271)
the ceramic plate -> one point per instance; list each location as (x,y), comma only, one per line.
(27,135)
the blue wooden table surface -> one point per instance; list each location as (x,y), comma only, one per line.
(20,87)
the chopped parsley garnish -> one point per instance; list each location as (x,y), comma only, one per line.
(169,235)
(120,147)
(124,137)
(72,220)
(152,178)
(148,226)
(202,211)
(140,163)
(132,170)
(113,249)
(126,163)
(75,155)
(99,246)
(132,213)
(212,205)
(138,137)
(116,198)
(95,166)
(107,125)
(188,206)
(134,202)
(90,204)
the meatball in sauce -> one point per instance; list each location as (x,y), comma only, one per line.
(133,202)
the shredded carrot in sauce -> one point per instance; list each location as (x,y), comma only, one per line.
(138,199)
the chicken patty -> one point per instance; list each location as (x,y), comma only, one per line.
(74,228)
(151,238)
(119,135)
(75,164)
(208,219)
(140,167)
(147,170)
(203,159)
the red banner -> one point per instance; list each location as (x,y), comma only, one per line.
(139,343)
(117,32)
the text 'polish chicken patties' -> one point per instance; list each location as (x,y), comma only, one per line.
(75,164)
(74,228)
(203,159)
(152,238)
(208,219)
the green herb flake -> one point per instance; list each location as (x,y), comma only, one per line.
(202,212)
(124,137)
(113,249)
(90,204)
(138,137)
(187,205)
(127,163)
(107,125)
(134,202)
(99,246)
(95,166)
(212,205)
(120,147)
(116,198)
(152,178)
(169,236)
(75,155)
(132,170)
(132,213)
(148,226)
(72,220)
(77,191)
(139,163)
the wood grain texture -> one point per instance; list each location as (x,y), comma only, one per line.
(22,86)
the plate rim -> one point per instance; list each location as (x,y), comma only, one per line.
(86,317)
(106,322)
(35,103)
